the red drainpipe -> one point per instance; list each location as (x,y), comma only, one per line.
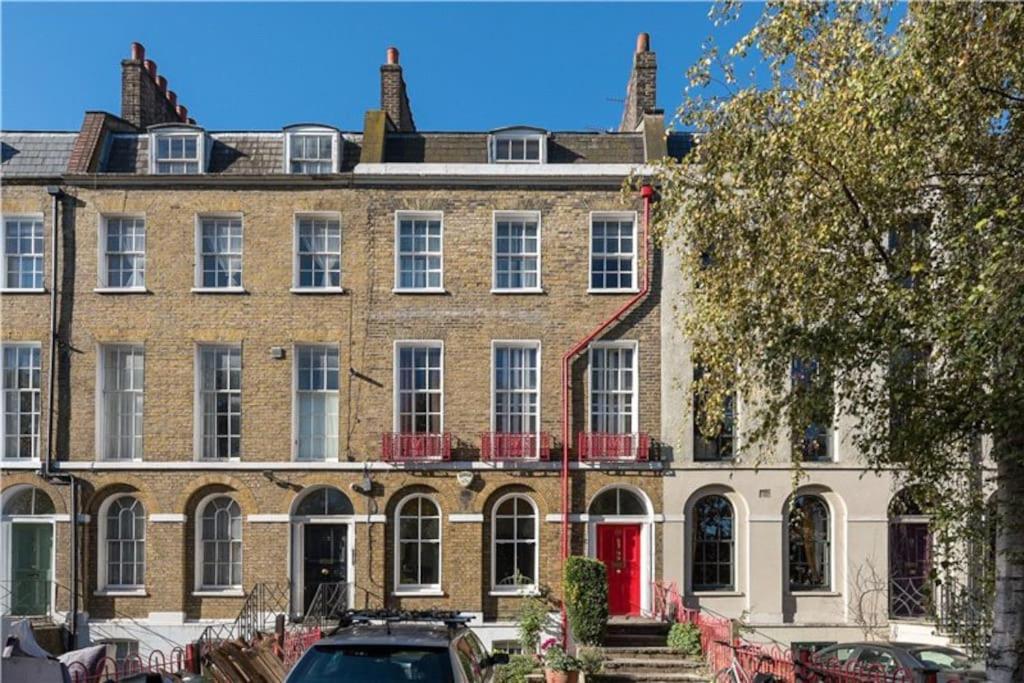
(646,192)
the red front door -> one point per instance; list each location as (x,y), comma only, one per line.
(618,546)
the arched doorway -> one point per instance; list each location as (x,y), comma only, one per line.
(323,539)
(910,561)
(28,516)
(619,532)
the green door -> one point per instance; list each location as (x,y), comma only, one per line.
(31,568)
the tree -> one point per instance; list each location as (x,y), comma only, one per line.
(856,203)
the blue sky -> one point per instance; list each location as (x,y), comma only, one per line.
(266,65)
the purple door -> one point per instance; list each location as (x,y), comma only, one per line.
(909,569)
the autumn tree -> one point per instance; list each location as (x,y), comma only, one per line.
(856,203)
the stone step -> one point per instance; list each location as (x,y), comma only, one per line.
(635,640)
(658,677)
(655,652)
(632,665)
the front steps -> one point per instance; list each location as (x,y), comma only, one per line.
(636,651)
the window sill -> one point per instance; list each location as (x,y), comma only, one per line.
(717,594)
(317,290)
(815,594)
(426,593)
(209,460)
(219,290)
(121,290)
(121,593)
(23,290)
(525,593)
(22,462)
(630,290)
(526,290)
(419,290)
(227,593)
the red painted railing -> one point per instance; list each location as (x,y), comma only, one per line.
(718,642)
(109,669)
(504,446)
(396,447)
(614,447)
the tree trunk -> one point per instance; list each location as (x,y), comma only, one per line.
(1006,650)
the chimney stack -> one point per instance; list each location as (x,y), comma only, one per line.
(642,89)
(393,98)
(145,99)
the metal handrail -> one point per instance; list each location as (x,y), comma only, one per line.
(329,601)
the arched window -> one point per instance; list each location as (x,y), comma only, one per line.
(910,555)
(617,501)
(326,501)
(123,543)
(809,545)
(220,544)
(418,544)
(28,501)
(514,544)
(713,544)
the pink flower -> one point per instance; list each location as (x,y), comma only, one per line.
(548,643)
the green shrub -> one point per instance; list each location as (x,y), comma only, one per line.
(685,639)
(585,587)
(517,669)
(591,660)
(533,617)
(557,659)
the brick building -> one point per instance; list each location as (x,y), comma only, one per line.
(309,354)
(303,357)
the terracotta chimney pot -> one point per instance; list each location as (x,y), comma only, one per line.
(138,52)
(392,55)
(643,43)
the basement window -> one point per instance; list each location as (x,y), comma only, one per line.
(518,146)
(312,150)
(177,151)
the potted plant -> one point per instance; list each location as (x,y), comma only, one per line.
(560,666)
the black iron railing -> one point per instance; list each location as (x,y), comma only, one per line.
(329,601)
(261,607)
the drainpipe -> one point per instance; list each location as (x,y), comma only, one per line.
(646,193)
(55,195)
(47,470)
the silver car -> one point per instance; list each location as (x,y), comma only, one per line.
(895,661)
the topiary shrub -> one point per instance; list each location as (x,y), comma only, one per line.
(585,586)
(685,639)
(591,660)
(517,669)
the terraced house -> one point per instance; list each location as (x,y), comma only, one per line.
(387,367)
(311,356)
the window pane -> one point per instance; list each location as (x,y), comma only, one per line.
(221,252)
(221,402)
(419,253)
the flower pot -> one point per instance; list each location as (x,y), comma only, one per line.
(561,676)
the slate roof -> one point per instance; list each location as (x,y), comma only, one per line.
(35,154)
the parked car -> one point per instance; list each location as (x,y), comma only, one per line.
(881,661)
(398,647)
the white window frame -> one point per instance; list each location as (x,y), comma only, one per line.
(37,444)
(408,589)
(417,215)
(198,434)
(103,587)
(296,270)
(613,216)
(517,134)
(296,349)
(517,343)
(200,587)
(178,132)
(833,584)
(831,442)
(396,393)
(198,286)
(620,344)
(336,147)
(103,267)
(497,216)
(34,217)
(523,589)
(101,403)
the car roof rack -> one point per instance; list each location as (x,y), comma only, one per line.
(449,618)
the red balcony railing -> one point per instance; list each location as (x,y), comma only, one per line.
(397,447)
(496,446)
(614,447)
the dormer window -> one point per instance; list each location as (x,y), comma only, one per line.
(518,146)
(177,151)
(312,150)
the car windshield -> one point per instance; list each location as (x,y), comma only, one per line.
(943,659)
(377,663)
